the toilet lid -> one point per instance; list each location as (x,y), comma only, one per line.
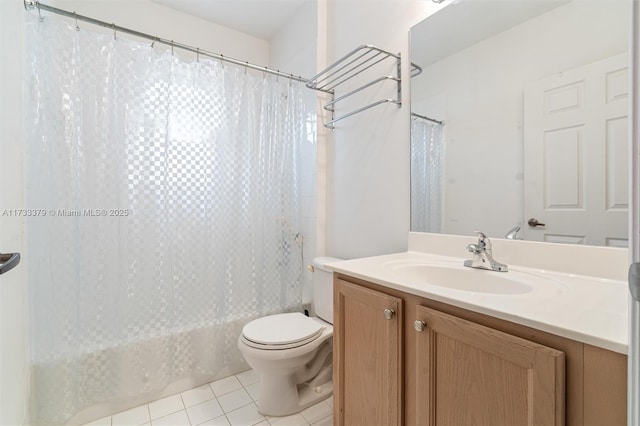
(282,329)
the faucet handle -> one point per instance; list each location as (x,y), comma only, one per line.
(483,241)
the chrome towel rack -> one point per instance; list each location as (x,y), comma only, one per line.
(349,66)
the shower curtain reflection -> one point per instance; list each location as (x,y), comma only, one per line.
(171,200)
(427,169)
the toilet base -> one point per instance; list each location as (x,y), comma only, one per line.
(300,396)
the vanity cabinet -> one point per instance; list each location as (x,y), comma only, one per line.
(436,364)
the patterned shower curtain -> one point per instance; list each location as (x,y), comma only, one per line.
(165,214)
(427,170)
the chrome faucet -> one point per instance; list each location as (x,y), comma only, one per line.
(482,255)
(512,234)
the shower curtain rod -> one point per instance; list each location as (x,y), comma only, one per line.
(424,117)
(35,4)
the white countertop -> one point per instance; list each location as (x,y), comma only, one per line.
(587,309)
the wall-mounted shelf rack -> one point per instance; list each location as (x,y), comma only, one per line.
(349,66)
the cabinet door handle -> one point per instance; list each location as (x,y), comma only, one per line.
(419,326)
(388,313)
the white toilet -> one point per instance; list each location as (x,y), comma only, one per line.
(293,352)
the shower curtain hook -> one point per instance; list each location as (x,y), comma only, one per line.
(246,65)
(76,18)
(153,41)
(171,47)
(39,14)
(222,60)
(113,27)
(197,54)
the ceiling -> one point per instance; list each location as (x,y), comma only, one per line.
(436,37)
(259,18)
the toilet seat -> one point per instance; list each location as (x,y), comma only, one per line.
(281,331)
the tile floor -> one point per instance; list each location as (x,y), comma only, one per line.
(230,401)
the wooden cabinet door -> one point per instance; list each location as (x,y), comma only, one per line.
(367,356)
(468,374)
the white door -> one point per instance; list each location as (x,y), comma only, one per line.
(576,155)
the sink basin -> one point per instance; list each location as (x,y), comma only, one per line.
(452,275)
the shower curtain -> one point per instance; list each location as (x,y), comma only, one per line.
(427,169)
(164,214)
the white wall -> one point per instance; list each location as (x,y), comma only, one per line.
(153,18)
(13,379)
(293,48)
(368,153)
(479,94)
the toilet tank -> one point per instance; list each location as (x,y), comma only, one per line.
(323,288)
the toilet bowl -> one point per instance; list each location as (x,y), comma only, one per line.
(293,352)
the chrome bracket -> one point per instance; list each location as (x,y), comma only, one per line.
(634,280)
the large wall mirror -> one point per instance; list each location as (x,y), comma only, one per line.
(519,119)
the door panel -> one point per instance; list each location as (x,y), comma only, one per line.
(575,151)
